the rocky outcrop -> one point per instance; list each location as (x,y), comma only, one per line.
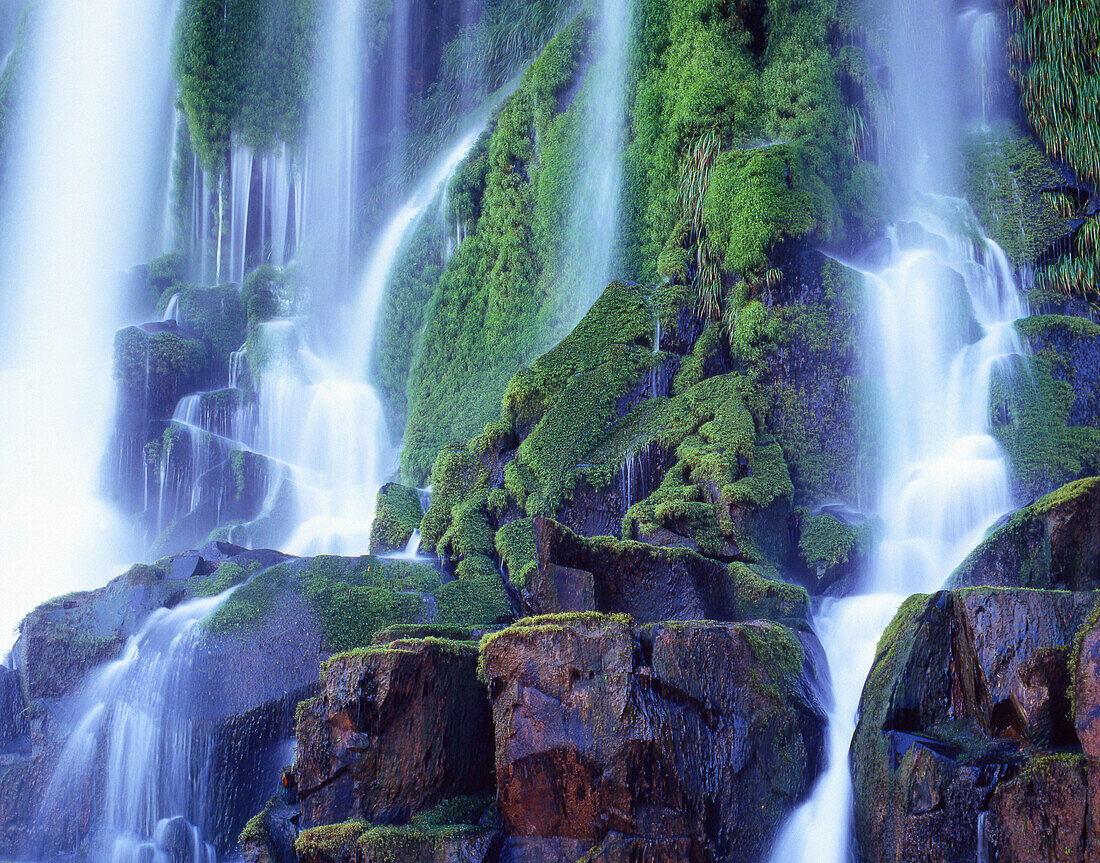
(677,741)
(650,583)
(1052,543)
(396,729)
(966,734)
(397,515)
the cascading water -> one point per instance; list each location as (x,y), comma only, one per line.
(591,241)
(941,310)
(138,757)
(85,166)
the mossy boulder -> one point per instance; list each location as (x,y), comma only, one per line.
(396,729)
(730,727)
(397,514)
(578,574)
(1047,414)
(155,369)
(215,316)
(969,690)
(1051,543)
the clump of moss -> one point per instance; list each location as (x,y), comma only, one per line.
(328,841)
(255,830)
(397,513)
(515,544)
(352,598)
(826,539)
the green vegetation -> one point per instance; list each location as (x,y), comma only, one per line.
(450,821)
(397,514)
(143,360)
(828,540)
(352,598)
(243,69)
(1052,51)
(217,315)
(1047,441)
(1008,183)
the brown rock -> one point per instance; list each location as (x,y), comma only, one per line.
(696,752)
(396,729)
(1039,817)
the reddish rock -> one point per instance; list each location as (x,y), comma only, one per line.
(396,729)
(688,739)
(960,714)
(1039,817)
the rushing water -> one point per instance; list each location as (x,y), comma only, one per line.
(592,234)
(940,314)
(85,165)
(137,766)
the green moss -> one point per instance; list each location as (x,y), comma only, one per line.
(825,538)
(778,649)
(397,513)
(400,631)
(515,545)
(228,575)
(751,595)
(1006,176)
(255,830)
(476,598)
(496,306)
(328,841)
(352,598)
(1031,414)
(243,69)
(163,360)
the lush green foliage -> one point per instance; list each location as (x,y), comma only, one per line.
(243,68)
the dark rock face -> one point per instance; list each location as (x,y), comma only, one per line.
(650,584)
(959,722)
(1052,543)
(689,741)
(396,729)
(647,582)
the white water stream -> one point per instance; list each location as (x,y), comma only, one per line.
(86,160)
(941,310)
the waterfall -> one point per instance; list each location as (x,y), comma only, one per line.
(138,757)
(86,165)
(940,311)
(592,233)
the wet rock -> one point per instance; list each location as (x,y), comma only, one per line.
(967,693)
(154,370)
(396,729)
(690,735)
(651,584)
(1086,673)
(14,726)
(1040,815)
(1054,543)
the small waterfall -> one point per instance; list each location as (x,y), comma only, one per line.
(591,241)
(133,782)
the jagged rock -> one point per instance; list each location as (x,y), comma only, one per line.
(396,729)
(967,692)
(698,737)
(1053,543)
(1086,675)
(649,583)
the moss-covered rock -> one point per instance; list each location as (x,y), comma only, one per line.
(397,514)
(962,700)
(155,369)
(1047,417)
(215,316)
(1051,543)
